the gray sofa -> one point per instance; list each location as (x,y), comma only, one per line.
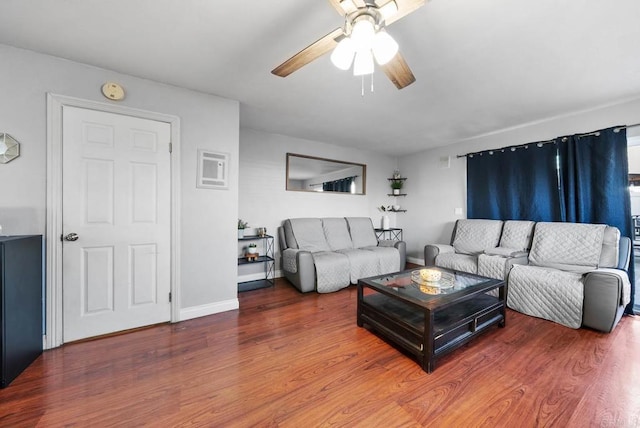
(328,254)
(574,274)
(484,247)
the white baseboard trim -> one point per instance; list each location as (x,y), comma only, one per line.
(256,276)
(208,309)
(251,277)
(415,260)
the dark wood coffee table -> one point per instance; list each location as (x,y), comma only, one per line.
(430,319)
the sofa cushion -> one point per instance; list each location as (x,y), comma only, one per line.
(361,230)
(567,246)
(337,233)
(309,234)
(362,264)
(474,236)
(492,266)
(547,293)
(332,271)
(463,262)
(517,234)
(388,258)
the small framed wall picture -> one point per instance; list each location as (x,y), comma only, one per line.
(213,170)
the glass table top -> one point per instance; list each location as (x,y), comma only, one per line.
(419,284)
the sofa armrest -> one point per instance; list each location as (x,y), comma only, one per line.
(431,251)
(400,245)
(506,252)
(290,260)
(606,293)
(402,249)
(624,253)
(498,267)
(299,268)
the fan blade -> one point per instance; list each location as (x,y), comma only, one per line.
(344,7)
(308,54)
(398,71)
(405,7)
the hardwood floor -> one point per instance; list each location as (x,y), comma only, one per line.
(299,360)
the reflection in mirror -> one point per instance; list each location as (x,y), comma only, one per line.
(312,174)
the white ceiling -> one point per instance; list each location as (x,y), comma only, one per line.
(481,65)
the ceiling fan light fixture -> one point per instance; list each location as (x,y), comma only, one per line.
(342,55)
(363,33)
(384,47)
(362,20)
(388,9)
(363,63)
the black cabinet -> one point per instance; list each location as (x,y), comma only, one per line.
(20,304)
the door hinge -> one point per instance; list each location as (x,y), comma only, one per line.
(169,297)
(170,147)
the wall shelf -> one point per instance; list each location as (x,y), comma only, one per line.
(395,195)
(267,259)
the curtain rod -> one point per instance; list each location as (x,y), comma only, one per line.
(620,128)
(540,144)
(512,148)
(597,133)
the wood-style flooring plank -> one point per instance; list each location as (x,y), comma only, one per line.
(288,359)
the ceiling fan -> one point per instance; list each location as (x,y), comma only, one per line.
(360,40)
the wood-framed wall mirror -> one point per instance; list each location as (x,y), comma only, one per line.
(321,175)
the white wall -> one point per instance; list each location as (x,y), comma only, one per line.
(633,153)
(434,193)
(264,202)
(208,275)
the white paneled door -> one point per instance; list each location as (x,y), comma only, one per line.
(115,221)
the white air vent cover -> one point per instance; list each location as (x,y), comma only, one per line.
(213,170)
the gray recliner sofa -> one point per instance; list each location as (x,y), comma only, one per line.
(328,254)
(484,247)
(574,274)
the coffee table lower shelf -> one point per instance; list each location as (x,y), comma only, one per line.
(430,334)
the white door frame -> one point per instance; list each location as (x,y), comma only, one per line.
(53,281)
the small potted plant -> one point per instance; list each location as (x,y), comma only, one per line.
(252,249)
(396,185)
(242,225)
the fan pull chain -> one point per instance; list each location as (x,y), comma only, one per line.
(362,85)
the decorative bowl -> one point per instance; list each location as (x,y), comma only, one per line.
(430,275)
(432,278)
